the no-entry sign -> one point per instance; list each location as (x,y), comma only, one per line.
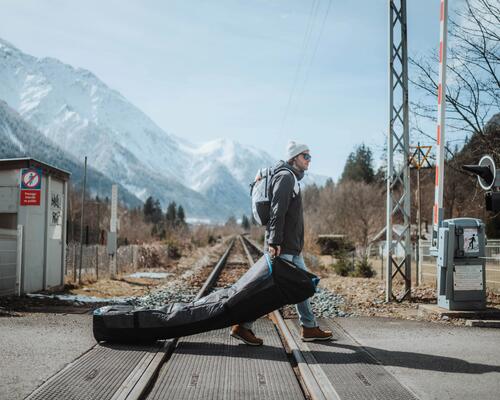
(31,178)
(31,185)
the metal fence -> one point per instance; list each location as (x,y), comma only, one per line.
(428,263)
(492,255)
(96,261)
(9,261)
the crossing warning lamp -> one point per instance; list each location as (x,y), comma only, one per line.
(489,179)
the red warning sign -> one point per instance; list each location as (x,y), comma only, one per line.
(30,197)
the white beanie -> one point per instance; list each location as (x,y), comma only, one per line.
(293,149)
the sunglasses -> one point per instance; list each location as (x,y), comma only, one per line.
(306,156)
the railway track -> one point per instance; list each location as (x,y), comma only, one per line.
(313,380)
(119,372)
(213,365)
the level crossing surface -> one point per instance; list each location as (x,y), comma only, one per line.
(213,365)
(434,361)
(352,371)
(104,372)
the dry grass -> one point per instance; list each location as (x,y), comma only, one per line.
(366,297)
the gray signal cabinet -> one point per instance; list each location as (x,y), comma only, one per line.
(461,276)
(32,236)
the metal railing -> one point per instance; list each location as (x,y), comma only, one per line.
(428,262)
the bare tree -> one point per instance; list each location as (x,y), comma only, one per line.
(355,209)
(473,88)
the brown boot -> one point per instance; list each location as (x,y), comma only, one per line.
(246,336)
(311,334)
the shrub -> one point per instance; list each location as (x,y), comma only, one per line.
(363,268)
(343,266)
(173,249)
(149,257)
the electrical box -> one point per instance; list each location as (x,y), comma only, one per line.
(111,246)
(461,275)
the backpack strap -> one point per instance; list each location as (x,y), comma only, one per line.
(296,184)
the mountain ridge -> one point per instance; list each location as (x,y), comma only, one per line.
(34,145)
(75,109)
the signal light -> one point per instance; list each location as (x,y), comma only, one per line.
(492,201)
(489,179)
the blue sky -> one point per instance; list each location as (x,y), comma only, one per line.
(208,69)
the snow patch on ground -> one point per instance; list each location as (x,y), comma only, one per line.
(150,275)
(81,298)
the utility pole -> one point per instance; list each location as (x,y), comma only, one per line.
(81,221)
(419,160)
(419,228)
(112,247)
(97,241)
(398,169)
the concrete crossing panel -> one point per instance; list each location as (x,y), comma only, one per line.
(101,374)
(353,372)
(213,365)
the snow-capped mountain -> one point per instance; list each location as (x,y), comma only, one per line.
(19,139)
(240,161)
(80,113)
(74,108)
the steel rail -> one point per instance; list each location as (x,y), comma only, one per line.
(147,379)
(136,384)
(312,377)
(212,278)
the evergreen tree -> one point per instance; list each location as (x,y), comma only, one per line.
(152,210)
(154,230)
(171,216)
(157,212)
(329,183)
(359,166)
(380,175)
(148,209)
(181,217)
(245,223)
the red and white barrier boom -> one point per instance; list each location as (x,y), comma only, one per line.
(441,110)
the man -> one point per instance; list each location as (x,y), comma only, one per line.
(285,236)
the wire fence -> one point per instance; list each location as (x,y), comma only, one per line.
(96,261)
(492,256)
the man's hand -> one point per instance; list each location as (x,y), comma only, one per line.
(274,250)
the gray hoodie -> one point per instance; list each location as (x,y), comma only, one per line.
(286,223)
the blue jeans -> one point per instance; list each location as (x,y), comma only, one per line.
(304,309)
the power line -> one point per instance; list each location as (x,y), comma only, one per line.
(307,35)
(311,60)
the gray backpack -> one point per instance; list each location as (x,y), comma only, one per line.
(260,191)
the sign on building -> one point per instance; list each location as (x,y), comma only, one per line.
(31,185)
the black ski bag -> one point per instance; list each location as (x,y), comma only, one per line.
(265,287)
